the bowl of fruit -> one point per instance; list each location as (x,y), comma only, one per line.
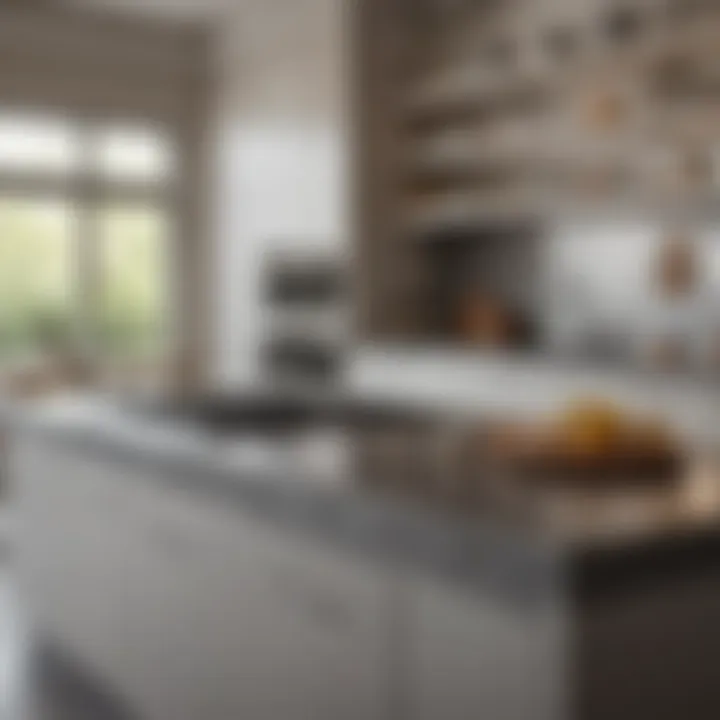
(592,441)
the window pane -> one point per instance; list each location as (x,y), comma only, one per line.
(37,144)
(136,154)
(133,312)
(36,275)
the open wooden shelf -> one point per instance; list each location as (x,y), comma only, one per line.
(467,84)
(524,113)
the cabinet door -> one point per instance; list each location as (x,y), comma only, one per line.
(283,628)
(101,574)
(474,656)
(150,652)
(70,545)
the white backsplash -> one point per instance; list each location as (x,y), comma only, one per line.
(469,382)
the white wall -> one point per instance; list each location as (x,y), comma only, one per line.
(281,156)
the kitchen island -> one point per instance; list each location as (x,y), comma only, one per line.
(216,576)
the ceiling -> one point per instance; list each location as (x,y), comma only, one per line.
(194,11)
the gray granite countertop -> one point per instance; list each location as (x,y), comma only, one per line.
(525,556)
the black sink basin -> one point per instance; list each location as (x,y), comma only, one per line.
(281,414)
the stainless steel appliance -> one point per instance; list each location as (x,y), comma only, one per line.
(306,323)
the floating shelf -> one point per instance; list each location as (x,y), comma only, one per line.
(463,96)
(467,90)
(544,112)
(464,210)
(450,215)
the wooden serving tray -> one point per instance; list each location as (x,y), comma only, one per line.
(525,457)
(622,469)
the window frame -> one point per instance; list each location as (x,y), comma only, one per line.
(87,191)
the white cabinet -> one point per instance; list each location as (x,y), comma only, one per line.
(67,547)
(472,656)
(193,609)
(94,574)
(292,630)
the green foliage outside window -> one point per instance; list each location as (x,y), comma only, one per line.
(41,310)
